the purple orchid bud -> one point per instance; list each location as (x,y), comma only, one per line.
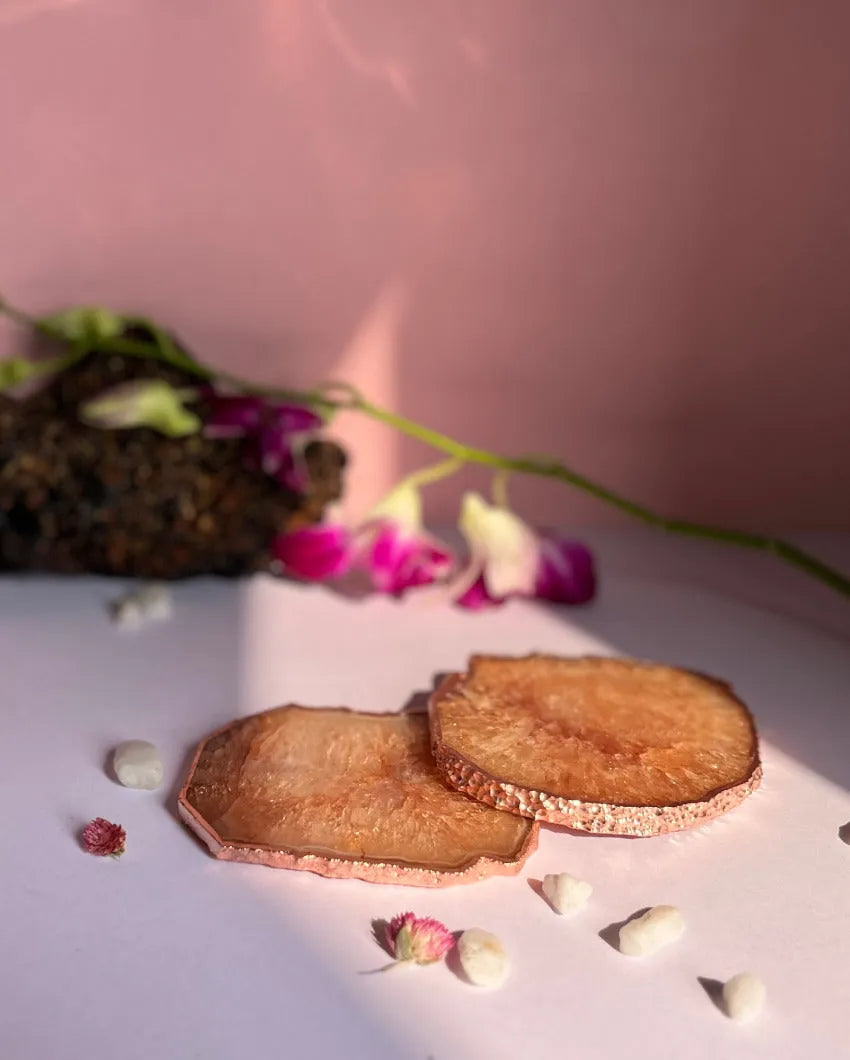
(295,419)
(233,414)
(316,553)
(565,574)
(292,470)
(281,442)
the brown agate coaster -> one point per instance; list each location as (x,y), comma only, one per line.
(601,745)
(347,795)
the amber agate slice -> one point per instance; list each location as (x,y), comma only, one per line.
(344,794)
(600,745)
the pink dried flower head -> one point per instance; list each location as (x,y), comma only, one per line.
(418,939)
(104,838)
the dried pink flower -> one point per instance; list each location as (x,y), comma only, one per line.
(104,838)
(418,939)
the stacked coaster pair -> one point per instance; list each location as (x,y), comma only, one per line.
(608,746)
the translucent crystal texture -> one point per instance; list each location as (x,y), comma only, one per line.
(344,794)
(603,745)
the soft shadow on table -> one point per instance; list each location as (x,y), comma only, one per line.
(537,887)
(453,961)
(109,767)
(418,701)
(794,677)
(417,704)
(714,989)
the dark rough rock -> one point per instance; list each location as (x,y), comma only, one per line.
(134,503)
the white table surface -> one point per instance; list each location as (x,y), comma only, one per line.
(169,953)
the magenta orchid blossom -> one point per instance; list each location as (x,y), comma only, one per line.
(508,558)
(397,551)
(316,553)
(391,545)
(279,432)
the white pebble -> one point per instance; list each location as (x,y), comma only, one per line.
(137,764)
(126,613)
(483,958)
(566,893)
(156,602)
(743,997)
(150,603)
(656,928)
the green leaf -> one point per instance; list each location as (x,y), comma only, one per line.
(17,370)
(142,403)
(90,324)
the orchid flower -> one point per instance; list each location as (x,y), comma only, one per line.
(281,443)
(280,432)
(398,553)
(316,553)
(509,558)
(391,544)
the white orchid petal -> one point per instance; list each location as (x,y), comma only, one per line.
(465,578)
(509,547)
(402,506)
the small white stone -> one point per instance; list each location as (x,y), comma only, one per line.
(126,613)
(150,603)
(137,764)
(483,958)
(566,893)
(656,928)
(743,997)
(155,600)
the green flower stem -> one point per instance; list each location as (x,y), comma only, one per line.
(554,469)
(434,473)
(333,398)
(499,489)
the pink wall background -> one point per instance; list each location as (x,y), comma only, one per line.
(615,231)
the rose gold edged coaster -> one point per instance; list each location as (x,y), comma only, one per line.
(609,746)
(344,794)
